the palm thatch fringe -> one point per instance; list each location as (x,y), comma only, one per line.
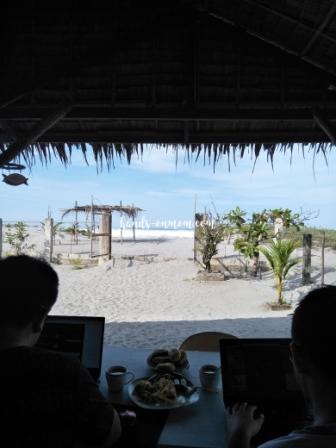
(106,153)
(130,210)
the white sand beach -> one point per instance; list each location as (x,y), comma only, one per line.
(150,297)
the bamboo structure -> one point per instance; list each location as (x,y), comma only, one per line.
(105,231)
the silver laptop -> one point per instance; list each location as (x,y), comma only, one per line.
(78,336)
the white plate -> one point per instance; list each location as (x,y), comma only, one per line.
(181,400)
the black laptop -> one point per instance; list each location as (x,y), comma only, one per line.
(259,371)
(78,336)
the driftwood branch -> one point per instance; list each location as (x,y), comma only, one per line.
(37,131)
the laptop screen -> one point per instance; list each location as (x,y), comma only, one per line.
(257,369)
(78,336)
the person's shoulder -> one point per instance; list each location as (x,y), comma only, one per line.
(46,359)
(289,441)
(54,357)
(302,439)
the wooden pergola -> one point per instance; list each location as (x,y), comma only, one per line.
(216,78)
(105,232)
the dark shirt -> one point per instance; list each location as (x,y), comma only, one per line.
(50,400)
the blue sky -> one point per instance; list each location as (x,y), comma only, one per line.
(168,193)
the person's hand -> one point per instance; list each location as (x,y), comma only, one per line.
(242,422)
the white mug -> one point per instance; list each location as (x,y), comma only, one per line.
(117,377)
(209,377)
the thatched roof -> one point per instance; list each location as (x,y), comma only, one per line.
(130,210)
(216,77)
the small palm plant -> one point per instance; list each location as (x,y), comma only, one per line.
(16,236)
(278,255)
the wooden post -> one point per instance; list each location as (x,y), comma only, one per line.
(120,224)
(76,223)
(306,270)
(51,244)
(92,224)
(0,238)
(133,226)
(49,238)
(322,258)
(195,223)
(105,238)
(110,225)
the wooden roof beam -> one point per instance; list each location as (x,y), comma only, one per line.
(34,113)
(319,30)
(290,19)
(177,137)
(325,124)
(221,17)
(12,100)
(34,134)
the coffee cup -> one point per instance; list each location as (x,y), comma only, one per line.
(117,377)
(209,375)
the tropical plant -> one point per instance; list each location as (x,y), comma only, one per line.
(56,230)
(16,236)
(286,217)
(87,231)
(209,234)
(278,255)
(73,230)
(236,217)
(252,235)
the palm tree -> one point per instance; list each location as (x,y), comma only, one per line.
(278,256)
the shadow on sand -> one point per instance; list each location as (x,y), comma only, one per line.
(167,334)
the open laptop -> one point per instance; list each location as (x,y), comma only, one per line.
(259,371)
(78,336)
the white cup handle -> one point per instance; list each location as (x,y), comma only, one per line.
(131,377)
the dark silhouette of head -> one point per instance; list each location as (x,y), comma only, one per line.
(29,288)
(314,330)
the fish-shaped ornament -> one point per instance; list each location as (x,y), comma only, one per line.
(14,179)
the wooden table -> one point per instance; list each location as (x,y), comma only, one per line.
(201,425)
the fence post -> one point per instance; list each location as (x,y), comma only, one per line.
(133,224)
(306,270)
(121,222)
(49,237)
(195,243)
(322,258)
(0,238)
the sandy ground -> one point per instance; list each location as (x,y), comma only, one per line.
(153,300)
